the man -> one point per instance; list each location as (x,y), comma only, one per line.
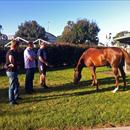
(42,64)
(11,71)
(30,65)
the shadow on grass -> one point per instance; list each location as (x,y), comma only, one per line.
(23,71)
(70,86)
(3,95)
(86,84)
(63,88)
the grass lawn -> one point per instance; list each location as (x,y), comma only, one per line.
(66,105)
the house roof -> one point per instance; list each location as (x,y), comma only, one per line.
(39,40)
(19,38)
(123,39)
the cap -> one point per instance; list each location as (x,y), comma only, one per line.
(14,43)
(29,43)
(42,43)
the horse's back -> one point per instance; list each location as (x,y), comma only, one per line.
(102,56)
(94,57)
(115,56)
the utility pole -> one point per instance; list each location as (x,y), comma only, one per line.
(108,39)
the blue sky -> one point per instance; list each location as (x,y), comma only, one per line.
(112,16)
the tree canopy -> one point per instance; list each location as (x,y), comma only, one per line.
(80,32)
(31,30)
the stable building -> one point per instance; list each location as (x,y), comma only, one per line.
(124,42)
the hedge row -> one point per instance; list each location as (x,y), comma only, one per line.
(65,54)
(58,54)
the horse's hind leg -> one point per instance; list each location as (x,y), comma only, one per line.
(94,79)
(123,76)
(115,71)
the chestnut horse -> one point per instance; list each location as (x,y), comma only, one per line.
(96,57)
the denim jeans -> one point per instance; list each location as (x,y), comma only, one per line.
(29,79)
(13,92)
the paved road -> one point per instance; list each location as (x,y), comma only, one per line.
(116,128)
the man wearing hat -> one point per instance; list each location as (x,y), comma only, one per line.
(30,66)
(11,71)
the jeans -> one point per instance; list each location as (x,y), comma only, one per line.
(13,91)
(29,79)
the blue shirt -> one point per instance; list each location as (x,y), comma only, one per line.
(41,52)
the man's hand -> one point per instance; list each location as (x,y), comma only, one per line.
(11,65)
(46,64)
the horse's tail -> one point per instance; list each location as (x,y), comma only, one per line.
(126,55)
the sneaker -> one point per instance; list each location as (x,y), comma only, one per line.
(45,86)
(33,91)
(28,92)
(13,103)
(19,98)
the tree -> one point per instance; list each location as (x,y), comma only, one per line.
(0,28)
(80,32)
(31,30)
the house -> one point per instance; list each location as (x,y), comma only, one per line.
(51,37)
(124,42)
(17,38)
(3,39)
(23,42)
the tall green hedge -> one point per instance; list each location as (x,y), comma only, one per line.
(58,54)
(65,54)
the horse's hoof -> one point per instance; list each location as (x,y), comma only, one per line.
(115,90)
(97,90)
(92,85)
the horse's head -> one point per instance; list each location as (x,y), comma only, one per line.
(77,76)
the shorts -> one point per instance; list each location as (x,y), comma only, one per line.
(42,69)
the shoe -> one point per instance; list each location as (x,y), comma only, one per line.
(28,92)
(33,91)
(45,86)
(19,98)
(13,103)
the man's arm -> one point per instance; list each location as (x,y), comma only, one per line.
(29,57)
(11,60)
(43,60)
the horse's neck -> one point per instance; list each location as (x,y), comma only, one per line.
(80,66)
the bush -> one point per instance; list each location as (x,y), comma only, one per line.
(58,54)
(64,54)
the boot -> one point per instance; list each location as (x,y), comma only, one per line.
(43,85)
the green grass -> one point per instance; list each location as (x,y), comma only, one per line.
(66,105)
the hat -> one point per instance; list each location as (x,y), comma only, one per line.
(42,43)
(14,43)
(29,43)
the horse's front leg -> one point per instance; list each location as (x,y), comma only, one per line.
(93,82)
(94,79)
